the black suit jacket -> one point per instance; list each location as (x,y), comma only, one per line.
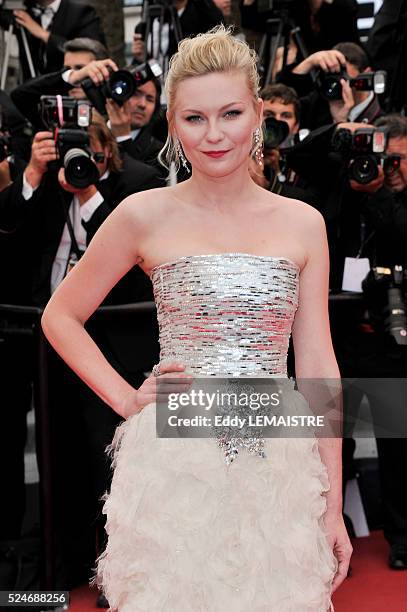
(72,20)
(43,218)
(198,16)
(145,147)
(315,111)
(26,96)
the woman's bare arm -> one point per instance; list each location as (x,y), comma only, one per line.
(314,355)
(111,253)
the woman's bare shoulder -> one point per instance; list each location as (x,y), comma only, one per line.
(147,206)
(298,213)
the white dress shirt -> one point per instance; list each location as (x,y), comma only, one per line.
(357,110)
(47,14)
(77,214)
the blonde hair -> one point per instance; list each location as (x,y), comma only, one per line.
(213,51)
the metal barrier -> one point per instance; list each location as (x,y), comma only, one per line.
(27,320)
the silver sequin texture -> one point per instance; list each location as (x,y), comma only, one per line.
(227,315)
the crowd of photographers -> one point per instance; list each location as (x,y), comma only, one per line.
(83,135)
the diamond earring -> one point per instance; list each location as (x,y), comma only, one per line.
(182,157)
(257,147)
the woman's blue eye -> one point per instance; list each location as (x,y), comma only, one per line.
(198,118)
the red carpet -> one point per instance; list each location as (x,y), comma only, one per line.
(372,587)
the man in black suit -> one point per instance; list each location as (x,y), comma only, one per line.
(355,106)
(48,25)
(195,16)
(133,123)
(79,52)
(81,424)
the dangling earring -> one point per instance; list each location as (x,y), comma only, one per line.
(257,147)
(181,155)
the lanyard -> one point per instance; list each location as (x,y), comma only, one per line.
(363,239)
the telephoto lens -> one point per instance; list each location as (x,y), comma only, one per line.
(122,86)
(329,84)
(363,169)
(76,158)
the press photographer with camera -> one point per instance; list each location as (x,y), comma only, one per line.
(282,110)
(73,181)
(16,346)
(79,52)
(49,24)
(336,86)
(314,18)
(370,344)
(181,18)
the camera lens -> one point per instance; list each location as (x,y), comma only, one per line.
(122,86)
(275,132)
(332,89)
(80,171)
(363,169)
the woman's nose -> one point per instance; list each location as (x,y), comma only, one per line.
(214,133)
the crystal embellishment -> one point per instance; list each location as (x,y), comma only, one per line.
(227,315)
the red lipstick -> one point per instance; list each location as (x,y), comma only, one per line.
(216,154)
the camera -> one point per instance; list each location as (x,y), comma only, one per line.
(330,87)
(385,292)
(275,132)
(364,149)
(121,85)
(68,120)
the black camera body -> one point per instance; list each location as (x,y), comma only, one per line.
(121,85)
(364,150)
(330,87)
(68,119)
(385,290)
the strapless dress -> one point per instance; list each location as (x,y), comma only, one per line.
(190,530)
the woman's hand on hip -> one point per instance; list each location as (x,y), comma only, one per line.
(172,379)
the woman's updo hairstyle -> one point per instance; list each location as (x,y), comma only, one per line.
(213,51)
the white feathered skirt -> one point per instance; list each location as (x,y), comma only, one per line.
(187,533)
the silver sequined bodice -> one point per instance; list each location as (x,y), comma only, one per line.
(227,314)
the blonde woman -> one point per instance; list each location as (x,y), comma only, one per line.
(235,269)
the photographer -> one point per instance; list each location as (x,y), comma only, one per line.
(79,419)
(16,346)
(314,18)
(370,345)
(195,16)
(330,90)
(48,25)
(132,123)
(79,53)
(282,110)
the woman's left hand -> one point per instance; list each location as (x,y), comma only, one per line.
(341,546)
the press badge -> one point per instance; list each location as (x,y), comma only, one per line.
(355,271)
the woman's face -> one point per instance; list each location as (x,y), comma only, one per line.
(214,119)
